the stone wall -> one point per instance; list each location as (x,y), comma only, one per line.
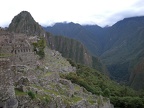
(18,48)
(7,93)
(24,56)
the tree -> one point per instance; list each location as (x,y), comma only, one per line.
(39,47)
(106,92)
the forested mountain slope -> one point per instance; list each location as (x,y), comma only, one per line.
(120,46)
(78,32)
(74,50)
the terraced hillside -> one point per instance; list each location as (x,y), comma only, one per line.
(27,80)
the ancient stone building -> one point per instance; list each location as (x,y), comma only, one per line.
(23,53)
(18,48)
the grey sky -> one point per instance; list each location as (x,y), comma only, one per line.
(47,12)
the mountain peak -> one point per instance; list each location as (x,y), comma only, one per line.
(25,15)
(25,23)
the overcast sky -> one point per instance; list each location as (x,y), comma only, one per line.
(46,12)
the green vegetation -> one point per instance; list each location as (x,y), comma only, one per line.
(128,102)
(89,78)
(2,55)
(47,99)
(97,83)
(70,48)
(75,99)
(91,101)
(74,50)
(39,47)
(44,98)
(99,101)
(19,92)
(120,47)
(106,92)
(31,94)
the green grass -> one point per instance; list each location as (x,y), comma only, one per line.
(45,98)
(31,94)
(48,74)
(99,101)
(91,101)
(19,93)
(75,99)
(51,91)
(46,90)
(36,86)
(2,55)
(77,88)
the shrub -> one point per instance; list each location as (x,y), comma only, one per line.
(39,47)
(31,94)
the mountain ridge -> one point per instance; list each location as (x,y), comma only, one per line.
(119,46)
(75,31)
(74,50)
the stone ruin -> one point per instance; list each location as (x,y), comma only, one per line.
(16,54)
(17,48)
(18,70)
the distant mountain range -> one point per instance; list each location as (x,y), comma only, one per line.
(120,46)
(80,33)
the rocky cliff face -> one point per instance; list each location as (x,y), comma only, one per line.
(37,82)
(80,33)
(24,23)
(70,48)
(74,50)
